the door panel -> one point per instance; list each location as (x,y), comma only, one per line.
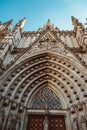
(35,122)
(56,122)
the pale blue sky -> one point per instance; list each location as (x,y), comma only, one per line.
(37,12)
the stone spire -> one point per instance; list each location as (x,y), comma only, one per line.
(21,23)
(76,22)
(7,24)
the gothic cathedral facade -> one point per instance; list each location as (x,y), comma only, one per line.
(43,77)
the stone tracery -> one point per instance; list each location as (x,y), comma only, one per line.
(46,98)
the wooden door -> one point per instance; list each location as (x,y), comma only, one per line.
(56,122)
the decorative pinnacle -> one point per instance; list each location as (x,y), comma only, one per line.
(74,20)
(49,22)
(8,23)
(22,22)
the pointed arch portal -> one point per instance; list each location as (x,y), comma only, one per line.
(43,85)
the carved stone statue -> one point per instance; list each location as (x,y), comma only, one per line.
(83,123)
(75,124)
(45,123)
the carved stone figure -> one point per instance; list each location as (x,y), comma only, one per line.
(83,123)
(45,123)
(75,124)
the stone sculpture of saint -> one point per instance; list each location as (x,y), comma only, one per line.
(83,123)
(45,123)
(75,124)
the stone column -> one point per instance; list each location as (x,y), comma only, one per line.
(77,118)
(23,119)
(68,120)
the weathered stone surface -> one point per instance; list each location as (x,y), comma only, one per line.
(48,59)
